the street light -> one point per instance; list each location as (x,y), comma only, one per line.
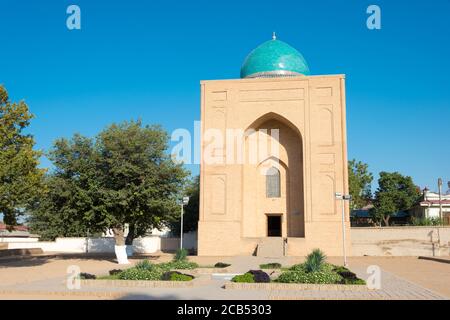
(440,199)
(184,202)
(343,197)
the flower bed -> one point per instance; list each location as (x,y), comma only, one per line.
(313,271)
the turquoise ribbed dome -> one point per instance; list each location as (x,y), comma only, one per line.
(274,58)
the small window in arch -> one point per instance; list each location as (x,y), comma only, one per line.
(273,183)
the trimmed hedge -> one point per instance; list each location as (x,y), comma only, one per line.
(246,277)
(252,276)
(271,265)
(176,276)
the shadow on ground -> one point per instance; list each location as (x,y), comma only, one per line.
(144,296)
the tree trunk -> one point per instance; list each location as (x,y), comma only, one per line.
(119,236)
(386,220)
(130,236)
(129,239)
(120,247)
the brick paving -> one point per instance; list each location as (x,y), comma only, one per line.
(47,281)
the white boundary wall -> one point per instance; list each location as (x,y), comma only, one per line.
(149,244)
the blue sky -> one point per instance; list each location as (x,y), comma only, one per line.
(145,59)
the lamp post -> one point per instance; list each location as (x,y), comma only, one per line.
(440,199)
(343,198)
(184,202)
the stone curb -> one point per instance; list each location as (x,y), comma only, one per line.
(295,286)
(74,293)
(198,271)
(138,283)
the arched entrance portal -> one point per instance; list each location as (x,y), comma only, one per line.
(273,204)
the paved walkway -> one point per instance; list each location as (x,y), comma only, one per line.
(45,279)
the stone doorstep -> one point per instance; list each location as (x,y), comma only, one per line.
(295,286)
(138,283)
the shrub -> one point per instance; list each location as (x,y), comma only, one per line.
(259,276)
(180,264)
(356,281)
(314,261)
(114,272)
(180,255)
(271,265)
(339,269)
(176,276)
(348,277)
(436,221)
(87,276)
(246,277)
(317,277)
(141,274)
(144,265)
(221,265)
(298,267)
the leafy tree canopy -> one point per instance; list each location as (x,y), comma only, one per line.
(359,179)
(123,176)
(395,193)
(20,179)
(191,210)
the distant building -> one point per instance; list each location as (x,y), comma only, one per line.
(428,206)
(17,231)
(363,218)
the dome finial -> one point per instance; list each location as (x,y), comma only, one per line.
(274,36)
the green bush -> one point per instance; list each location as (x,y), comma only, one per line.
(181,264)
(314,261)
(176,276)
(340,269)
(180,255)
(356,281)
(426,221)
(298,268)
(246,277)
(317,277)
(221,265)
(144,265)
(271,265)
(87,276)
(141,274)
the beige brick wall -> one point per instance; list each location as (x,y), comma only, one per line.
(401,241)
(310,113)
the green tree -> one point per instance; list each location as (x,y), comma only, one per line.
(359,181)
(139,183)
(20,179)
(395,193)
(68,207)
(122,177)
(191,210)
